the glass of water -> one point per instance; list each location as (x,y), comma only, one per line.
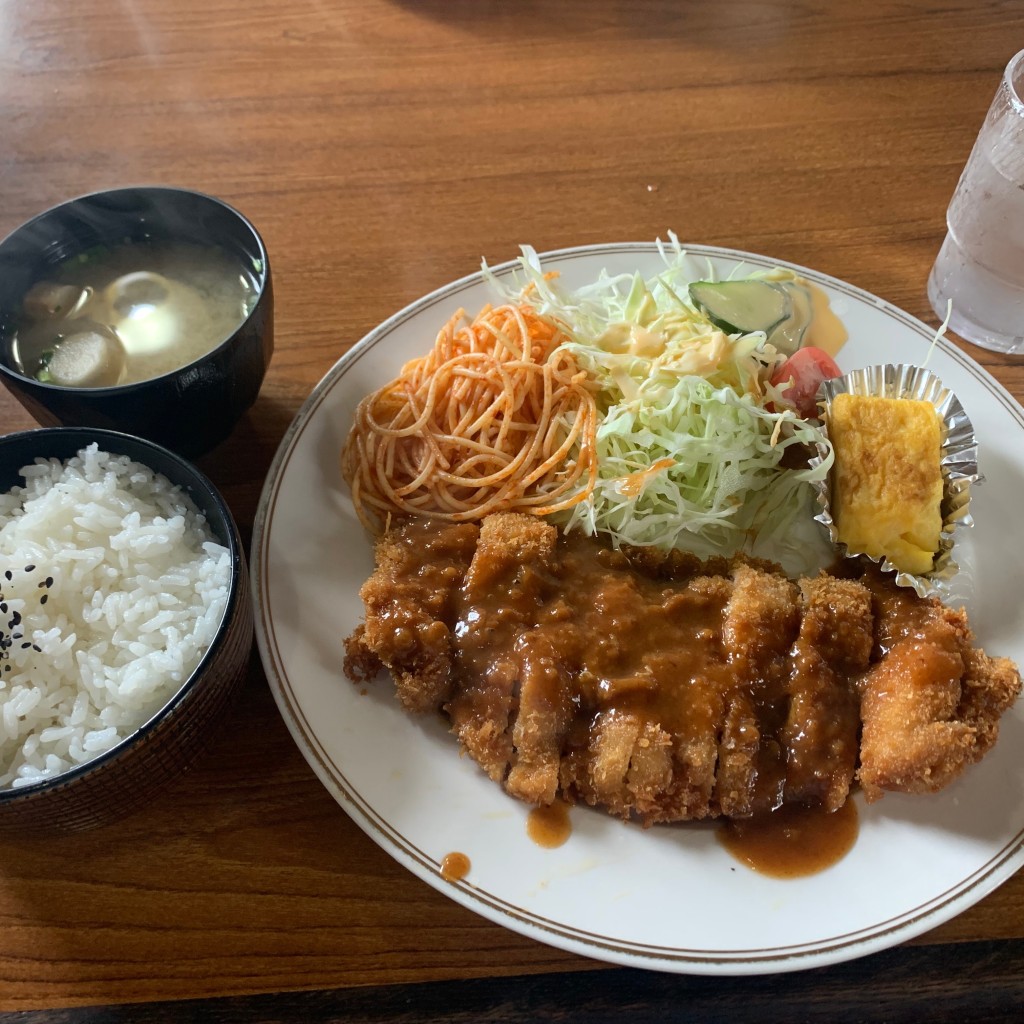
(979,272)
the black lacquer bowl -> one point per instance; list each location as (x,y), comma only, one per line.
(126,777)
(189,410)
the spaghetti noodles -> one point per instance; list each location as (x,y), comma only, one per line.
(496,417)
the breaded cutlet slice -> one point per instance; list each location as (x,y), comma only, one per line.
(545,712)
(626,766)
(409,607)
(508,542)
(832,649)
(761,621)
(506,571)
(931,707)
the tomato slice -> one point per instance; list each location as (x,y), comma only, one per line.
(806,368)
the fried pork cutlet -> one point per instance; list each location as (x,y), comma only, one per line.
(666,688)
(931,705)
(409,604)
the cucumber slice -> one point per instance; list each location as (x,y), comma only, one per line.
(782,309)
(739,307)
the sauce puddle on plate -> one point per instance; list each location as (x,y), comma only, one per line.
(793,841)
(549,826)
(455,866)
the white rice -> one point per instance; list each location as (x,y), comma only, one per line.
(112,588)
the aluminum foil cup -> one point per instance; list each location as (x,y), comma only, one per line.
(958,462)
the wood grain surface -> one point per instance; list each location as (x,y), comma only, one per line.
(976,982)
(382,147)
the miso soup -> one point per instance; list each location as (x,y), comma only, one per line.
(130,312)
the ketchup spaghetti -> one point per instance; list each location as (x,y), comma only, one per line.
(496,417)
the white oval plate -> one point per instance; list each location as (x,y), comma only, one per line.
(668,898)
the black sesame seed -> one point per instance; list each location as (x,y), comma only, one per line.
(37,649)
(9,574)
(42,600)
(3,607)
(30,568)
(48,582)
(15,619)
(25,646)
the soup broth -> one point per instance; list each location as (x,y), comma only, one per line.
(130,312)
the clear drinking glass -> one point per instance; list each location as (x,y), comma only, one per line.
(980,267)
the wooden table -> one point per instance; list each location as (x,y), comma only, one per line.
(382,147)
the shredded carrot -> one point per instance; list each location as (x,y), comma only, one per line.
(630,486)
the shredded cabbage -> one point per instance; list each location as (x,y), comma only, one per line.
(690,447)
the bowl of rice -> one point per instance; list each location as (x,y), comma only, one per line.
(125,623)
